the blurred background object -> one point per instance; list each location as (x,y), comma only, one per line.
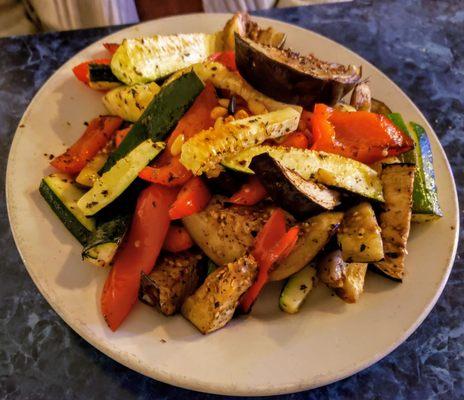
(21,17)
(60,15)
(13,19)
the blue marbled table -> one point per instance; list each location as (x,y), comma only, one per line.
(419,44)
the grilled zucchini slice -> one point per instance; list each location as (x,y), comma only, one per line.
(112,183)
(326,168)
(148,59)
(359,235)
(395,219)
(213,305)
(296,289)
(425,204)
(104,241)
(204,151)
(89,174)
(61,193)
(129,102)
(160,117)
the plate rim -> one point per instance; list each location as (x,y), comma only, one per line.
(129,360)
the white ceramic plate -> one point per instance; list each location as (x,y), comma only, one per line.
(268,352)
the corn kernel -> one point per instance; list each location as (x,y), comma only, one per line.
(217,124)
(176,146)
(218,112)
(229,118)
(240,114)
(224,102)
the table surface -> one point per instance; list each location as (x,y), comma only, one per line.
(419,44)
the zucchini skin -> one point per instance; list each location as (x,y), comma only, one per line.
(425,197)
(114,220)
(114,182)
(73,225)
(426,206)
(161,115)
(296,289)
(111,231)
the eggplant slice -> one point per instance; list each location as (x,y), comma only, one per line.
(292,78)
(242,24)
(298,196)
(174,278)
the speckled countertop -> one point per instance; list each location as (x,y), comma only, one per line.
(419,44)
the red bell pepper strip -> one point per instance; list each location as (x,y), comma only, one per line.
(167,169)
(226,58)
(361,135)
(192,198)
(120,135)
(250,193)
(81,71)
(137,254)
(272,244)
(95,138)
(178,239)
(111,47)
(172,174)
(296,139)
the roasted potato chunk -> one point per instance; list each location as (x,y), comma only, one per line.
(226,232)
(359,235)
(315,232)
(213,305)
(353,283)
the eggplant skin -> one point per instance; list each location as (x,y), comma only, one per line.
(291,78)
(174,278)
(300,197)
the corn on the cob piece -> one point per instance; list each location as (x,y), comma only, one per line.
(208,148)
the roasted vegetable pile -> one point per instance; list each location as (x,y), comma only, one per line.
(227,161)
